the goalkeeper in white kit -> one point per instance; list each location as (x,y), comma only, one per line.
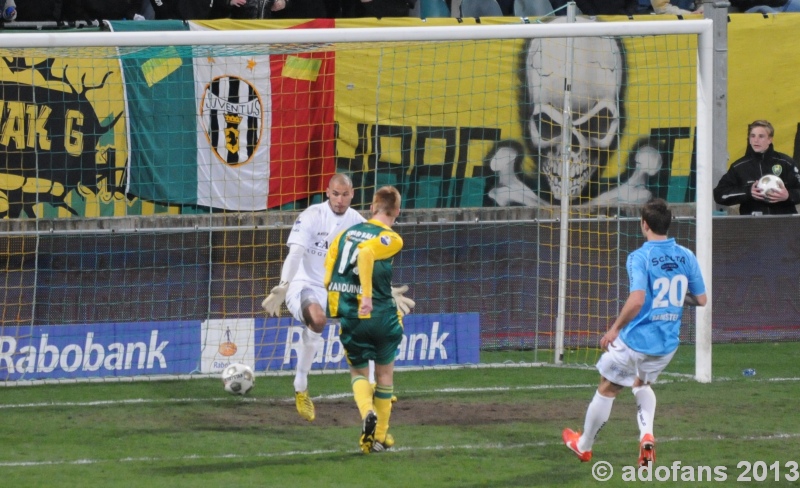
(302,275)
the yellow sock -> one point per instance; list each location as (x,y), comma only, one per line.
(362,392)
(383,408)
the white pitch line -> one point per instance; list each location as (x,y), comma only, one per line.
(467,447)
(337,396)
(486,389)
(106,403)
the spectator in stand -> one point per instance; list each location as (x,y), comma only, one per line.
(679,7)
(213,9)
(254,9)
(608,7)
(377,8)
(333,9)
(40,10)
(244,9)
(560,6)
(101,9)
(765,6)
(181,9)
(303,9)
(75,10)
(507,6)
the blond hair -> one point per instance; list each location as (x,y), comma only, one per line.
(386,201)
(761,123)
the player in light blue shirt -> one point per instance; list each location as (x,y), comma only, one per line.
(664,271)
(664,277)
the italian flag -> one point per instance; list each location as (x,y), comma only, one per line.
(245,132)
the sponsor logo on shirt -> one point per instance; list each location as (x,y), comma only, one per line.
(667,259)
(345,288)
(669,317)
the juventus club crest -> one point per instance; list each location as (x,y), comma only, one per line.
(232,115)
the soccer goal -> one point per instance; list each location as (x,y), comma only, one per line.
(151,179)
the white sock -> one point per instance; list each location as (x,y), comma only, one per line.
(646,409)
(305,357)
(372,372)
(596,417)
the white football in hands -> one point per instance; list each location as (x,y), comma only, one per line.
(769,182)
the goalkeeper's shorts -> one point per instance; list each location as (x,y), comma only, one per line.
(294,298)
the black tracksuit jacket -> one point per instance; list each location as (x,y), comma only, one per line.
(734,187)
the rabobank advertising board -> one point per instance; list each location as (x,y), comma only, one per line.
(100,350)
(176,348)
(428,340)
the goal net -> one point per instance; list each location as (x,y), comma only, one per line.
(150,182)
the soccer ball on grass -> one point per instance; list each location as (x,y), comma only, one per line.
(769,182)
(238,378)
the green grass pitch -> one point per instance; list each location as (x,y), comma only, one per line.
(471,427)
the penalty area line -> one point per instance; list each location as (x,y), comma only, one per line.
(338,396)
(316,452)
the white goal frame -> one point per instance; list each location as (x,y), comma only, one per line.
(702,28)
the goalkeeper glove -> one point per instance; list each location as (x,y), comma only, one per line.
(272,304)
(404,304)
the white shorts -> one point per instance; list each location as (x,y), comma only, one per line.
(621,364)
(293,298)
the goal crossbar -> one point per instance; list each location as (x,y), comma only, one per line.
(346,35)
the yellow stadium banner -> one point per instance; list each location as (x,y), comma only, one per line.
(62,135)
(451,124)
(762,66)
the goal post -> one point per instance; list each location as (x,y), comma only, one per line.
(171,204)
(705,184)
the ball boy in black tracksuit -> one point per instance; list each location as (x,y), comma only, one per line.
(737,186)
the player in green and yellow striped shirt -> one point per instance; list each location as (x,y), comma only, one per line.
(358,277)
